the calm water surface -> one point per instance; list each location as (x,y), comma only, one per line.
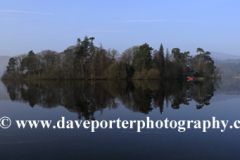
(110,100)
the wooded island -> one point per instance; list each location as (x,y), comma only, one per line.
(86,61)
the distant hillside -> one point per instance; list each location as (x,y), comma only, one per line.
(223,56)
(219,62)
(229,64)
(3,63)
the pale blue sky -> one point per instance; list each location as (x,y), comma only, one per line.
(213,25)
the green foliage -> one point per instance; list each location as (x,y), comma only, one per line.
(159,61)
(140,75)
(143,58)
(205,66)
(11,68)
(23,64)
(86,61)
(183,59)
(31,62)
(153,74)
(172,70)
(116,71)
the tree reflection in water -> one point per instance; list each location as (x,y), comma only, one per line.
(87,97)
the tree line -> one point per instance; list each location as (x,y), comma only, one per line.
(86,61)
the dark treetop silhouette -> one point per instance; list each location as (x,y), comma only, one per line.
(86,61)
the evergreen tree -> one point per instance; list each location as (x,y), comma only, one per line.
(11,68)
(82,52)
(31,62)
(143,58)
(159,60)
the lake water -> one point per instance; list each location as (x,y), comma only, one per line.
(110,100)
